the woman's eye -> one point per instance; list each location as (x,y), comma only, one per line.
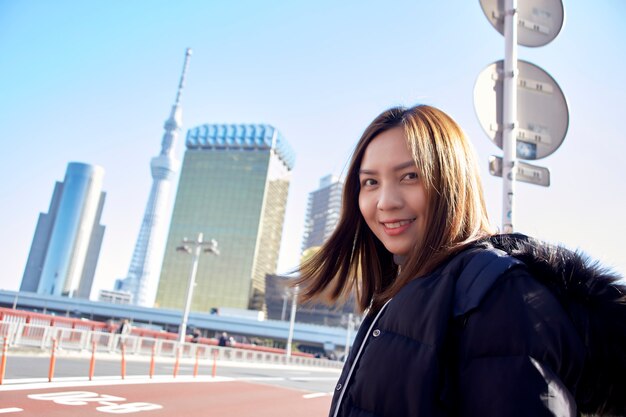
(411,176)
(368,182)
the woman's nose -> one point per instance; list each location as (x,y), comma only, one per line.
(389,198)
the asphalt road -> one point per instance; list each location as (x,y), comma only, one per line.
(19,367)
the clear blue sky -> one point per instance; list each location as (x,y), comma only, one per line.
(94,81)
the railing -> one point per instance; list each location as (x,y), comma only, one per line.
(19,334)
(29,317)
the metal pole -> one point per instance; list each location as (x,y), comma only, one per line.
(123,364)
(509,116)
(92,363)
(292,321)
(348,334)
(282,314)
(3,361)
(52,360)
(177,362)
(196,364)
(214,368)
(151,373)
(192,281)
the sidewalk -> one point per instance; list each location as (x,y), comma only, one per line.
(135,357)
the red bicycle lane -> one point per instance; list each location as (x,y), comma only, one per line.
(188,399)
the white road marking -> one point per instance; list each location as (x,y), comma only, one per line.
(107,403)
(10,410)
(313,378)
(98,381)
(262,378)
(316,395)
(293,378)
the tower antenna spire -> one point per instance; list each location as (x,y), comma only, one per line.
(143,274)
(174,122)
(181,84)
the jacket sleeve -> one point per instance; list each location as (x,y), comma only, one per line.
(519,354)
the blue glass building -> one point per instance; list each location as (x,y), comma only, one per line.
(67,241)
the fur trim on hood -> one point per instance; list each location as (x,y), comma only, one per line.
(595,299)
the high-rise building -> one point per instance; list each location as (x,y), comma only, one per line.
(322,212)
(143,273)
(279,296)
(233,188)
(114,297)
(67,240)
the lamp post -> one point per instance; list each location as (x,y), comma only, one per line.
(17,294)
(286,294)
(348,335)
(292,321)
(193,248)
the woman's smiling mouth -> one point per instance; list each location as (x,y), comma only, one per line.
(396,227)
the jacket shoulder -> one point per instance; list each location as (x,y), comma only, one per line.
(477,270)
(594,298)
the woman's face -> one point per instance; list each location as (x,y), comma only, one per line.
(392,198)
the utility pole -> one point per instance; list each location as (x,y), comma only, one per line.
(519,105)
(509,117)
(193,248)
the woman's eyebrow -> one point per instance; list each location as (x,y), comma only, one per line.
(367,172)
(404,165)
(398,167)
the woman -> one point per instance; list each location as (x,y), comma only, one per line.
(459,321)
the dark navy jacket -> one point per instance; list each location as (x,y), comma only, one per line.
(480,336)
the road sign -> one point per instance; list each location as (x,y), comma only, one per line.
(542,112)
(525,172)
(539,21)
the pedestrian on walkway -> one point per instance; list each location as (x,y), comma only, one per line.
(223,340)
(195,336)
(459,320)
(124,330)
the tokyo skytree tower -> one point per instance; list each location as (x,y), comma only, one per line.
(143,273)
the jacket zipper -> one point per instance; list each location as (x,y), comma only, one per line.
(356,358)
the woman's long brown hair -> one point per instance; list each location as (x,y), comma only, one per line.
(354,259)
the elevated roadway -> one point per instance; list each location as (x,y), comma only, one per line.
(314,335)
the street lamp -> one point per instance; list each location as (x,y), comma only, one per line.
(348,334)
(286,294)
(193,248)
(292,320)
